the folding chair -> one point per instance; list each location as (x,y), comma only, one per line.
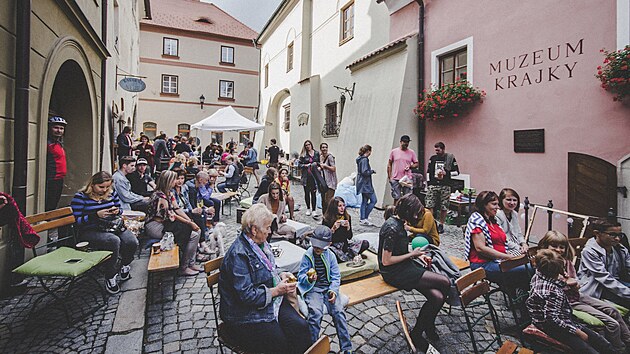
(322,346)
(405,327)
(212,278)
(64,267)
(471,287)
(514,299)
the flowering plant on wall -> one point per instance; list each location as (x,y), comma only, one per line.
(449,100)
(614,75)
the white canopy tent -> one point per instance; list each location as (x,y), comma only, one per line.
(227,119)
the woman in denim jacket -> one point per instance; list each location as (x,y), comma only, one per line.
(253,304)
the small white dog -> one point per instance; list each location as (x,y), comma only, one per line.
(215,241)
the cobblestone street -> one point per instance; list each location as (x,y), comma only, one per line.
(187,323)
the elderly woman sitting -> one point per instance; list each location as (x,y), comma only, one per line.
(253,302)
(274,201)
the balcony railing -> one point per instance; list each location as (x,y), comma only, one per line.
(330,129)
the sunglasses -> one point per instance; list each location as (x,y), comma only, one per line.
(619,235)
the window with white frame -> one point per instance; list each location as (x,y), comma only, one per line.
(226,89)
(169,84)
(287,117)
(170,47)
(453,66)
(290,57)
(453,62)
(227,55)
(347,22)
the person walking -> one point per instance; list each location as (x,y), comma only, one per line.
(308,163)
(364,184)
(124,142)
(327,164)
(274,153)
(401,160)
(55,161)
(442,166)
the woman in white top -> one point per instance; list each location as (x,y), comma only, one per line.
(507,218)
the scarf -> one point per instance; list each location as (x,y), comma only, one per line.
(476,221)
(264,254)
(10,215)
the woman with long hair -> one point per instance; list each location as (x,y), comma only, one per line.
(399,269)
(94,208)
(164,215)
(364,184)
(308,163)
(484,242)
(340,222)
(507,218)
(275,202)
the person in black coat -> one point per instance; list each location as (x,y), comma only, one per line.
(124,142)
(309,162)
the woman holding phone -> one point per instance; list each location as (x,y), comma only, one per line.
(94,208)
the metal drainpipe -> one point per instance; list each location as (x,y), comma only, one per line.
(103,82)
(421,122)
(20,103)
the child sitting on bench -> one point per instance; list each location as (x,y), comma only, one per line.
(319,280)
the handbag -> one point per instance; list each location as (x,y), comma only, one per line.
(320,181)
(112,224)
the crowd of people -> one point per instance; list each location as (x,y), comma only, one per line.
(260,305)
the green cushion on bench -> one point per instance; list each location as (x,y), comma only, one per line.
(588,319)
(370,266)
(246,203)
(622,310)
(54,263)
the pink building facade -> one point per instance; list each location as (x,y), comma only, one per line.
(537,62)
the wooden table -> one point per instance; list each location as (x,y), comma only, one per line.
(165,261)
(223,197)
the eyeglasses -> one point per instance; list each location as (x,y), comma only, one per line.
(619,235)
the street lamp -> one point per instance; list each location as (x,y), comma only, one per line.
(202,100)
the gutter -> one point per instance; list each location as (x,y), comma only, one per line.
(421,122)
(21,101)
(103,82)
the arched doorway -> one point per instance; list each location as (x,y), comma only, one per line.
(278,120)
(70,98)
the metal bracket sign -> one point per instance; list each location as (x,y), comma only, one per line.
(132,84)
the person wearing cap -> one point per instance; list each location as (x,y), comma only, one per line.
(401,160)
(321,287)
(141,180)
(55,161)
(128,199)
(442,166)
(146,151)
(254,297)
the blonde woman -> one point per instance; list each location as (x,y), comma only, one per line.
(92,208)
(164,215)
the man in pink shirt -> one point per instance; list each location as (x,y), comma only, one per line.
(401,160)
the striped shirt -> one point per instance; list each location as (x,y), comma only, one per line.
(84,209)
(320,268)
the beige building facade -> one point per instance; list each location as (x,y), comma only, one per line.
(191,50)
(67,57)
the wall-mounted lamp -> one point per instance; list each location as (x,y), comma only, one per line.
(202,100)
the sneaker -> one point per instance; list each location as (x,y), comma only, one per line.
(364,222)
(308,212)
(124,273)
(440,228)
(111,285)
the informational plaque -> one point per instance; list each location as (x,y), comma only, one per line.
(530,140)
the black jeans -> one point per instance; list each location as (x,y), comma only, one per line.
(53,193)
(289,334)
(596,343)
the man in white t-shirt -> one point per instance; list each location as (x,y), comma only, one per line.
(401,160)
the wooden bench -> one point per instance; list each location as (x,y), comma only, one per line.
(222,197)
(65,262)
(366,289)
(165,261)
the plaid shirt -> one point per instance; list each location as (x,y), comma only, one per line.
(548,304)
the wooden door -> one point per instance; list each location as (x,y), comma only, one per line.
(592,185)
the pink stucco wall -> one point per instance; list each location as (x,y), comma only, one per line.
(404,21)
(577,115)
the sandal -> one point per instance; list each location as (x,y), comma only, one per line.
(202,257)
(204,248)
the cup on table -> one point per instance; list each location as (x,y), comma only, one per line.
(82,246)
(156,248)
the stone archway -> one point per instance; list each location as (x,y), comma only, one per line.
(274,121)
(68,89)
(70,99)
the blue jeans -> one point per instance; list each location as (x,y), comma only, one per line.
(367,204)
(223,187)
(316,299)
(518,277)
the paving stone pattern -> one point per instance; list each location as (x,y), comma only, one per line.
(188,324)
